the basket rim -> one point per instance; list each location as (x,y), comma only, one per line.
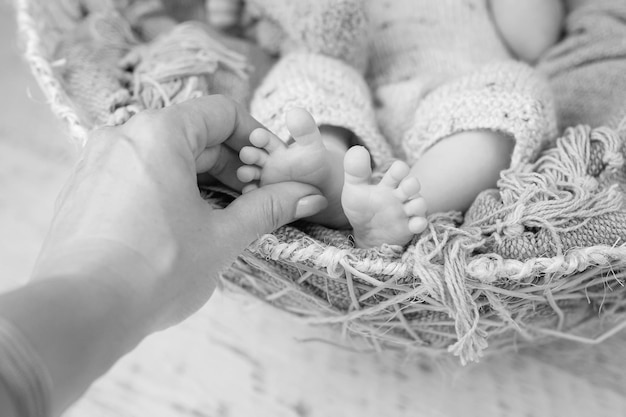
(42,69)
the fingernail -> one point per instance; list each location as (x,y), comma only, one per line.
(310,205)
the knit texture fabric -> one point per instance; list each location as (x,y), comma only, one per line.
(506,97)
(587,69)
(330,90)
(89,66)
(185,63)
(114,74)
(434,69)
(336,28)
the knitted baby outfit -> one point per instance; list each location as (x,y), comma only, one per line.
(434,68)
(105,66)
(323,48)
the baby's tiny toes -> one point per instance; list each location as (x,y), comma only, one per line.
(303,128)
(395,174)
(415,207)
(417,225)
(266,140)
(409,188)
(357,168)
(248,173)
(248,188)
(253,156)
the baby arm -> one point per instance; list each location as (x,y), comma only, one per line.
(586,69)
(457,168)
(528,27)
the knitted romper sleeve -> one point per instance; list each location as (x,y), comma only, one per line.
(322,48)
(449,56)
(587,69)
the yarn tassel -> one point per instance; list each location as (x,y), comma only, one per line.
(471,339)
(174,68)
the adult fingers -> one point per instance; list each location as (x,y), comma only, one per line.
(211,120)
(204,122)
(221,163)
(266,209)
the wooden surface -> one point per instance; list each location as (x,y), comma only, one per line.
(237,357)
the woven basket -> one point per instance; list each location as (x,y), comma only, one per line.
(534,259)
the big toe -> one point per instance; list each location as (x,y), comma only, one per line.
(357,167)
(302,127)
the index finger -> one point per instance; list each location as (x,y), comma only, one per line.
(210,120)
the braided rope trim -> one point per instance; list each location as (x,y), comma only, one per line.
(488,268)
(37,57)
(519,315)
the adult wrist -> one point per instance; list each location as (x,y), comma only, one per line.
(106,273)
(24,380)
(85,324)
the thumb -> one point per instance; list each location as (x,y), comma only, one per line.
(272,206)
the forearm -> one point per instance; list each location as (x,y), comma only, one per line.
(456,169)
(78,329)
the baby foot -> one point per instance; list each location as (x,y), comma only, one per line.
(307,160)
(391,211)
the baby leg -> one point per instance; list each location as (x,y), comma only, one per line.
(391,211)
(306,160)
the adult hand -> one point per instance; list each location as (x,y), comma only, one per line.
(131,216)
(132,248)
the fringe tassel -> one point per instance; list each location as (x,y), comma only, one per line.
(174,68)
